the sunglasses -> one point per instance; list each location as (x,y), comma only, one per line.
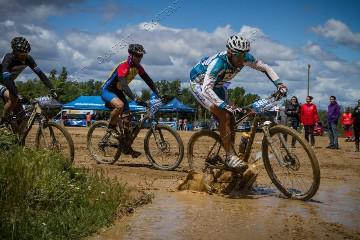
(138,55)
(239,54)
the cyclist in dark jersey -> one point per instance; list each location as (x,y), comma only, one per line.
(12,65)
(118,83)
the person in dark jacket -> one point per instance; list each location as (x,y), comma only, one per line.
(333,115)
(292,112)
(309,118)
(356,125)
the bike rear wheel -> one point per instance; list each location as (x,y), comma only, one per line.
(204,146)
(297,174)
(54,137)
(164,148)
(103,147)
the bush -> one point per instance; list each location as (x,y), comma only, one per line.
(42,197)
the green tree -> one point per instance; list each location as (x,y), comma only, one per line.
(169,88)
(240,98)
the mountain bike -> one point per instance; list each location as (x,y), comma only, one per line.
(294,171)
(49,135)
(163,146)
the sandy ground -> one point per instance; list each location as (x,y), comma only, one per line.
(333,213)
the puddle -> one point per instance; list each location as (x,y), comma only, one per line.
(186,215)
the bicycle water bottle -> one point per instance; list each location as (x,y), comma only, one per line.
(260,104)
(243,142)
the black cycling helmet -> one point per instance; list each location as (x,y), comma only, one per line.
(20,44)
(136,49)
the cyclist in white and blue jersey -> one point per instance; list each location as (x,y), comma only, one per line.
(207,80)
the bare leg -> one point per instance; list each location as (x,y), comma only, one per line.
(226,125)
(116,112)
(10,103)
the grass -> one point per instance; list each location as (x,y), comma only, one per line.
(42,197)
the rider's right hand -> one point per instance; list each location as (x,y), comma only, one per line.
(233,110)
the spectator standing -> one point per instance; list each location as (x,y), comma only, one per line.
(356,125)
(346,122)
(64,117)
(185,127)
(88,119)
(292,112)
(180,124)
(333,115)
(309,118)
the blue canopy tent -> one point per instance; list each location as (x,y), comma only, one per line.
(96,103)
(175,105)
(91,103)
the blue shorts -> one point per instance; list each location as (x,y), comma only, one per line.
(108,95)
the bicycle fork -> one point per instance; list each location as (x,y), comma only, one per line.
(159,138)
(278,156)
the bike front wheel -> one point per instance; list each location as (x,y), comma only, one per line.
(296,173)
(54,137)
(103,147)
(204,146)
(163,147)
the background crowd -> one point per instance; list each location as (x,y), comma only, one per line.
(306,114)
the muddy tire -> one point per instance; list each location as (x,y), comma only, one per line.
(300,167)
(163,155)
(197,160)
(55,137)
(102,146)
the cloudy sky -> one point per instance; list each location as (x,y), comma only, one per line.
(89,37)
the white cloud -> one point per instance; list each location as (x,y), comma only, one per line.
(316,52)
(343,67)
(266,48)
(339,32)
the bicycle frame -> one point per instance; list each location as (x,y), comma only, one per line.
(266,132)
(36,114)
(149,115)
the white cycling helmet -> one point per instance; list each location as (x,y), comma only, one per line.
(237,44)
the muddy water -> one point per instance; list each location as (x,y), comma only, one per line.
(334,212)
(186,215)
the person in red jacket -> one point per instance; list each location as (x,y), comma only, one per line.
(309,118)
(346,122)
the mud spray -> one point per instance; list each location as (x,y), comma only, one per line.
(218,181)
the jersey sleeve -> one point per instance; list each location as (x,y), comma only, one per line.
(147,80)
(6,74)
(258,65)
(215,68)
(32,64)
(141,70)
